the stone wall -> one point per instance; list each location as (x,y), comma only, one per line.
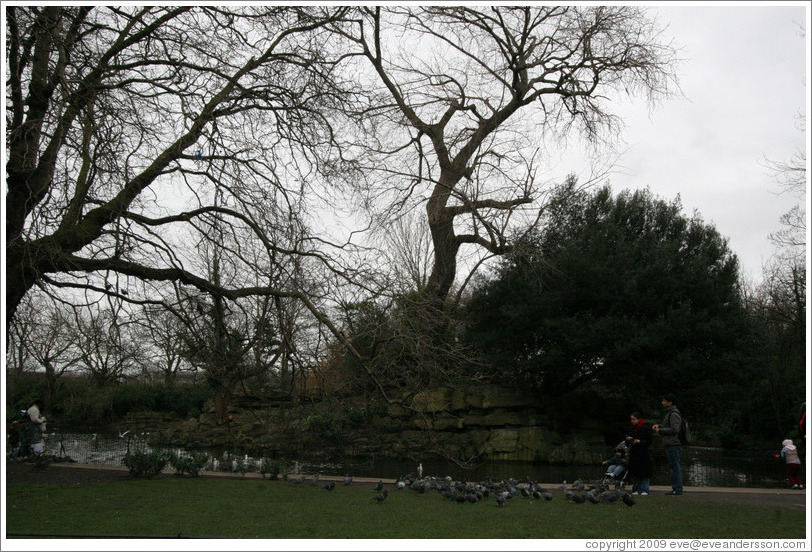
(496,423)
(470,424)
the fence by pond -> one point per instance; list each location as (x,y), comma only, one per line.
(702,466)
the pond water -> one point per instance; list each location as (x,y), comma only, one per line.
(702,466)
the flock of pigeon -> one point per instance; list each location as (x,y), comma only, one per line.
(578,492)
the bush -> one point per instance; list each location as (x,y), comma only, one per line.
(330,423)
(145,464)
(190,465)
(270,467)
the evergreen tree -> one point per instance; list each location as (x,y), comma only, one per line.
(620,292)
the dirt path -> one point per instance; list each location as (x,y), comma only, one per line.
(81,474)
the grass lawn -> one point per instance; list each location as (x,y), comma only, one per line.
(252,508)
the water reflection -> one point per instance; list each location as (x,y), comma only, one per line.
(702,467)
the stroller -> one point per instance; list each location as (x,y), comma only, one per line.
(617,467)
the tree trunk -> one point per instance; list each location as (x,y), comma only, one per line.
(222,397)
(18,280)
(446,246)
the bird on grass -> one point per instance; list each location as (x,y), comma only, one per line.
(316,479)
(379,486)
(628,500)
(348,481)
(548,496)
(578,498)
(501,499)
(330,486)
(298,480)
(381,497)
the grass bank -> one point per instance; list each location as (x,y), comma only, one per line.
(252,508)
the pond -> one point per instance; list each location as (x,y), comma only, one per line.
(702,466)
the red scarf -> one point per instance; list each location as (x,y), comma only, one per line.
(638,425)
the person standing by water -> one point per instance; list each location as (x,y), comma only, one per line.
(640,463)
(38,421)
(669,431)
(35,417)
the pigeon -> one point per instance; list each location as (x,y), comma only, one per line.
(500,500)
(578,498)
(316,479)
(578,485)
(381,497)
(348,481)
(379,486)
(330,486)
(299,480)
(628,500)
(548,496)
(592,498)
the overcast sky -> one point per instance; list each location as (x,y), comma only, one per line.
(743,78)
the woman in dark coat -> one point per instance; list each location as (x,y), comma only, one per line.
(640,463)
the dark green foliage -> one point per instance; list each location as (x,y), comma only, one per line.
(23,389)
(182,400)
(270,467)
(328,422)
(778,389)
(77,402)
(189,464)
(623,292)
(145,464)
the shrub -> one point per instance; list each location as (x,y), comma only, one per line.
(145,464)
(190,464)
(271,467)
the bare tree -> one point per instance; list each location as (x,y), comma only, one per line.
(17,356)
(43,336)
(162,331)
(408,250)
(449,86)
(106,339)
(791,177)
(119,121)
(229,343)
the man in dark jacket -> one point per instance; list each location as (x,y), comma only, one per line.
(669,431)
